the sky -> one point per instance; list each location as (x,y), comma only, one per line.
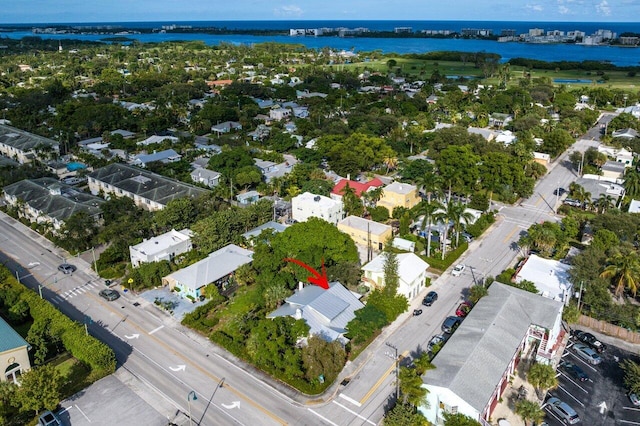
(62,11)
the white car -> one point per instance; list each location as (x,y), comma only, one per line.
(634,399)
(457,270)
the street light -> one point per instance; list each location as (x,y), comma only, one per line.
(191,397)
(397,360)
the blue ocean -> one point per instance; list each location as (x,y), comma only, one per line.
(622,56)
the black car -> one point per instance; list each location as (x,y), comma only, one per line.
(109,294)
(575,371)
(431,297)
(67,268)
(590,340)
(450,324)
(559,191)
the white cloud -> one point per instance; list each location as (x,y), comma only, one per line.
(603,8)
(534,7)
(563,10)
(288,10)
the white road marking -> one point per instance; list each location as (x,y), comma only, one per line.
(629,422)
(322,417)
(81,412)
(354,413)
(574,398)
(156,329)
(351,400)
(631,408)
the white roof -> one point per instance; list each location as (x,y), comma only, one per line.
(550,277)
(162,242)
(320,200)
(400,188)
(218,265)
(364,224)
(410,266)
(634,206)
(157,139)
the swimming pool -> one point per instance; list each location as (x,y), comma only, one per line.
(75,166)
(572,80)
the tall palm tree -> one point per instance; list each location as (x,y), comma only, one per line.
(428,210)
(457,213)
(604,202)
(430,183)
(542,377)
(530,411)
(624,270)
(632,182)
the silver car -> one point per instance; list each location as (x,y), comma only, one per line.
(588,354)
(564,411)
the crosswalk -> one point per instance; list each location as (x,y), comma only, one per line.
(77,291)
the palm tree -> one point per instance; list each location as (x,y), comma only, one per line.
(529,411)
(411,387)
(605,202)
(458,214)
(429,183)
(391,163)
(624,270)
(632,182)
(542,377)
(429,210)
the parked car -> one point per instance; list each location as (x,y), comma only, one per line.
(559,191)
(431,297)
(575,371)
(109,294)
(586,353)
(467,237)
(450,324)
(67,268)
(49,419)
(438,339)
(463,309)
(635,400)
(563,410)
(590,340)
(458,269)
(571,202)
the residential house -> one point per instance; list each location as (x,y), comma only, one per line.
(625,133)
(252,235)
(216,269)
(303,94)
(226,127)
(261,132)
(279,114)
(358,187)
(487,134)
(326,312)
(148,190)
(613,171)
(46,200)
(621,155)
(157,139)
(24,147)
(264,103)
(247,198)
(542,158)
(365,232)
(163,247)
(167,156)
(474,367)
(506,137)
(206,177)
(600,187)
(499,120)
(14,354)
(402,244)
(265,166)
(399,194)
(550,277)
(412,273)
(307,205)
(634,206)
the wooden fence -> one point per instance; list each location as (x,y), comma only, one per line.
(610,329)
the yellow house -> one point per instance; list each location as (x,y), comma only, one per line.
(399,194)
(362,231)
(14,354)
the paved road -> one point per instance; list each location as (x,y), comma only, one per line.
(167,362)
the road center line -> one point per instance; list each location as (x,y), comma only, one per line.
(508,237)
(354,413)
(380,380)
(156,329)
(322,417)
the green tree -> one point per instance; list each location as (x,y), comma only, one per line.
(178,214)
(352,204)
(78,232)
(429,212)
(623,269)
(631,375)
(477,292)
(456,213)
(632,182)
(39,389)
(530,411)
(404,415)
(459,420)
(411,389)
(366,323)
(542,377)
(320,357)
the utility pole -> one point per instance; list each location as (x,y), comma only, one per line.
(580,296)
(95,264)
(395,348)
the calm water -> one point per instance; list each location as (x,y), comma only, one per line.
(546,52)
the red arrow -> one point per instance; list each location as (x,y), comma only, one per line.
(316,278)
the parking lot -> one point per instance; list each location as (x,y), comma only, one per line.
(600,399)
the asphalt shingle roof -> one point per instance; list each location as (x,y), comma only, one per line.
(23,141)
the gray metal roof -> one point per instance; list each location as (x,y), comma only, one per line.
(9,338)
(145,184)
(478,354)
(53,198)
(23,141)
(275,226)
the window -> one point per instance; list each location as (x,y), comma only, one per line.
(13,373)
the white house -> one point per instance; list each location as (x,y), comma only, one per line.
(206,177)
(280,114)
(473,368)
(551,277)
(412,272)
(163,247)
(157,139)
(327,312)
(215,269)
(308,205)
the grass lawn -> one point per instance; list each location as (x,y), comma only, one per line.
(242,302)
(75,374)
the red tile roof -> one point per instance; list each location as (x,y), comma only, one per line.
(357,187)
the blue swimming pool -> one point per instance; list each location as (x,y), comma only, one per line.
(572,80)
(75,166)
